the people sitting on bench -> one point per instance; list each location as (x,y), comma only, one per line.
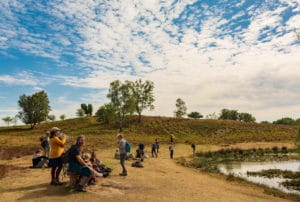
(78,166)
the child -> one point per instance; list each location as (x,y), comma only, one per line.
(38,160)
(171,149)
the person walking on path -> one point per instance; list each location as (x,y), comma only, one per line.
(171,149)
(46,144)
(157,145)
(57,143)
(122,150)
(154,149)
(193,148)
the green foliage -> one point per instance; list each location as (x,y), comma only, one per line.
(90,109)
(80,112)
(285,121)
(246,117)
(143,95)
(106,113)
(62,117)
(87,109)
(180,108)
(8,119)
(51,117)
(212,116)
(195,115)
(34,108)
(122,100)
(227,114)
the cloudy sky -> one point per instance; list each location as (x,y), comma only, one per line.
(236,54)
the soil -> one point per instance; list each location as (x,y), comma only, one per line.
(161,179)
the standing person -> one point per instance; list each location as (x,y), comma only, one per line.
(57,143)
(122,150)
(141,150)
(157,145)
(171,149)
(78,165)
(45,143)
(193,148)
(154,149)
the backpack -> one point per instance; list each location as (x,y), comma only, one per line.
(127,147)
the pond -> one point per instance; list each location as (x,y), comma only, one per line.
(240,169)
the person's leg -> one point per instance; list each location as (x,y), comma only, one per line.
(57,173)
(122,162)
(53,171)
(171,154)
(152,151)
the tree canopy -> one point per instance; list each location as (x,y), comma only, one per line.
(34,108)
(122,100)
(180,108)
(143,96)
(195,115)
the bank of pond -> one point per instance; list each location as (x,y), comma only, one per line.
(276,167)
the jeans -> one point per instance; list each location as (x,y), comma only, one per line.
(154,152)
(171,153)
(122,162)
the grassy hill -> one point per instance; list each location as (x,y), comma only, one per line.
(201,131)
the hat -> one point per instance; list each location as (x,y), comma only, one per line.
(55,129)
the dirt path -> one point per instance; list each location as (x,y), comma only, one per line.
(160,180)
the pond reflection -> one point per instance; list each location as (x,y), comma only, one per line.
(240,169)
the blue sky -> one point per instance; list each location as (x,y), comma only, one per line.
(233,54)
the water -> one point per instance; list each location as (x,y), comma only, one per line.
(240,169)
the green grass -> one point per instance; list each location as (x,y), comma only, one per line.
(185,131)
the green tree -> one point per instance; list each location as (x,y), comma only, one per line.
(87,109)
(180,108)
(195,115)
(246,117)
(51,117)
(228,114)
(143,95)
(62,117)
(122,100)
(285,121)
(8,119)
(84,108)
(80,112)
(106,113)
(34,108)
(90,109)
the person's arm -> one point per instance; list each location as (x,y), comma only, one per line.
(60,142)
(80,160)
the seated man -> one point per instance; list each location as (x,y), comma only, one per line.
(78,165)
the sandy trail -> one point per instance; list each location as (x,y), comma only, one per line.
(160,180)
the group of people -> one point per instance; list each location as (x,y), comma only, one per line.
(87,166)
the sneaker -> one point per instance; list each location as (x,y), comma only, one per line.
(52,182)
(80,189)
(105,175)
(123,174)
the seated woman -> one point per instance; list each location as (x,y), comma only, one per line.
(78,165)
(39,160)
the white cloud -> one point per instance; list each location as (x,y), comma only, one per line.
(210,69)
(22,78)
